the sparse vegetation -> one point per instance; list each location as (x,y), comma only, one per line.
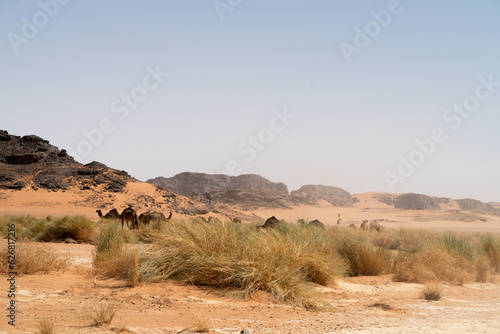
(240,259)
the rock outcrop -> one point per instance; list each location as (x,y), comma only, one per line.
(311,194)
(473,204)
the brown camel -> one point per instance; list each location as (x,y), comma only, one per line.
(316,223)
(147,217)
(365,225)
(375,226)
(352,226)
(129,215)
(113,214)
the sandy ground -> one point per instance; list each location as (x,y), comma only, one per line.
(364,305)
(436,220)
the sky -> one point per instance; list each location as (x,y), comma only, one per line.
(389,96)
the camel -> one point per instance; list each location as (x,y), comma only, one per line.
(339,220)
(352,226)
(113,214)
(364,225)
(147,217)
(129,215)
(214,220)
(375,226)
(236,220)
(271,222)
(316,223)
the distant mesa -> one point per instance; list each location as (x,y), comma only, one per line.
(188,183)
(311,194)
(416,202)
(248,190)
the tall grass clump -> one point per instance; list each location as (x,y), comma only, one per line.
(112,259)
(434,261)
(490,247)
(77,227)
(27,227)
(242,260)
(33,258)
(361,256)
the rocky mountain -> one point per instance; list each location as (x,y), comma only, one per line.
(188,183)
(31,161)
(311,194)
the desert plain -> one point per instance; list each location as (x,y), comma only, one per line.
(362,304)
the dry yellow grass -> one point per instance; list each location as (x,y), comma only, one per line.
(34,258)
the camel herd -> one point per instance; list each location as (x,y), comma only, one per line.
(129,215)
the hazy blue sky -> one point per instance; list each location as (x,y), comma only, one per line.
(302,92)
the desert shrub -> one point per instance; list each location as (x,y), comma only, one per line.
(243,260)
(34,258)
(77,227)
(432,291)
(433,262)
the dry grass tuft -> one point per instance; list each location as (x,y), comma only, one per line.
(432,291)
(199,325)
(47,325)
(362,257)
(34,258)
(101,314)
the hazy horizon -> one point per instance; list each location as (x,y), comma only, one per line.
(385,96)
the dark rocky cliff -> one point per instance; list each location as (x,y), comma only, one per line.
(33,161)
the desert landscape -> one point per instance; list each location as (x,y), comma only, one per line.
(356,281)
